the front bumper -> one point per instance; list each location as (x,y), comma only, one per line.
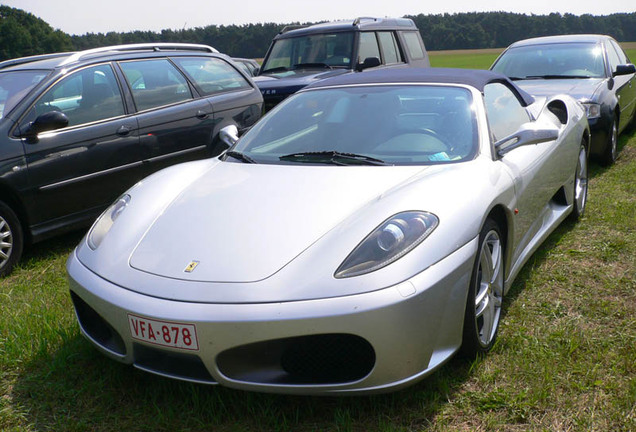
(372,342)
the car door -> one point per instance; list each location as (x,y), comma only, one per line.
(174,126)
(232,98)
(77,170)
(537,170)
(625,85)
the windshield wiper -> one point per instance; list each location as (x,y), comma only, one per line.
(334,157)
(240,156)
(311,65)
(276,69)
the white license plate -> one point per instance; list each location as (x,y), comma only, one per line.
(164,333)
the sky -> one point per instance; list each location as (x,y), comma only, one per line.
(101,16)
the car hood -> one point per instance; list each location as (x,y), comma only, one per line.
(291,81)
(581,89)
(243,222)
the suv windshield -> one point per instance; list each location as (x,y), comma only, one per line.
(324,50)
(558,60)
(15,85)
(367,125)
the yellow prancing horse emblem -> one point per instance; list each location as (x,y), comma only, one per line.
(190,268)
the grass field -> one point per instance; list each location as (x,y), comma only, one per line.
(564,360)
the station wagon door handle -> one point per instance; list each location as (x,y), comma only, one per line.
(123,130)
(202,114)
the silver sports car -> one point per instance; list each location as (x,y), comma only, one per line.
(353,240)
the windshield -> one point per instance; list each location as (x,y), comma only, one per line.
(559,60)
(366,125)
(15,85)
(319,50)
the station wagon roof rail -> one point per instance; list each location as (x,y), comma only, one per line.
(142,46)
(24,60)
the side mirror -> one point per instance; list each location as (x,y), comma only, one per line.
(229,135)
(255,71)
(625,69)
(48,121)
(527,134)
(368,62)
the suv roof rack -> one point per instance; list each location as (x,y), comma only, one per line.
(24,60)
(142,46)
(292,27)
(357,20)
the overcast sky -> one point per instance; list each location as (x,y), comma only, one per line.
(84,16)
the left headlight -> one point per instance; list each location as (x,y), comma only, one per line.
(390,241)
(106,221)
(592,110)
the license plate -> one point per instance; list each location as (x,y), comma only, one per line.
(164,333)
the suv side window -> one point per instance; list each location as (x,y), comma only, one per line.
(155,83)
(389,48)
(505,112)
(368,46)
(413,45)
(86,96)
(212,75)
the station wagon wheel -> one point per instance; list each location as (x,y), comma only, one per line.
(611,151)
(485,293)
(10,239)
(580,185)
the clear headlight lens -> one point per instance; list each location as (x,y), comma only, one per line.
(393,239)
(592,110)
(106,221)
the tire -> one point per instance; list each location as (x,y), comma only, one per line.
(580,185)
(611,149)
(11,239)
(485,293)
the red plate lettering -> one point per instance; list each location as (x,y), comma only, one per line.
(164,333)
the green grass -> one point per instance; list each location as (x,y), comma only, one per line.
(564,359)
(464,59)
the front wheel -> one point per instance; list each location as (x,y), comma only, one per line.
(485,293)
(611,150)
(11,242)
(580,185)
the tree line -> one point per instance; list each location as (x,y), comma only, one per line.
(23,34)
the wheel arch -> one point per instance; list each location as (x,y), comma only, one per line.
(11,198)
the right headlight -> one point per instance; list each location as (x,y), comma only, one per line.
(393,239)
(592,110)
(106,221)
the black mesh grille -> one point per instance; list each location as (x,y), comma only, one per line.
(172,364)
(96,327)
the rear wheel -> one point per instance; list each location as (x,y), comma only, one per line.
(611,150)
(580,185)
(11,239)
(485,293)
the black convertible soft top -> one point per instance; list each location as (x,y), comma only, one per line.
(476,78)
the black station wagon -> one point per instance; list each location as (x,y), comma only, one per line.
(78,129)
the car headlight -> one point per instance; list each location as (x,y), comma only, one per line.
(592,110)
(393,239)
(106,221)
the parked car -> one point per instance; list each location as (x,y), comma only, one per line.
(351,241)
(78,129)
(592,68)
(300,55)
(248,65)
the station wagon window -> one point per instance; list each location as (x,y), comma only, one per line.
(212,75)
(368,46)
(612,57)
(389,48)
(86,96)
(155,83)
(622,57)
(413,45)
(15,85)
(505,112)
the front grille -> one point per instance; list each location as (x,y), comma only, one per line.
(314,359)
(181,366)
(96,327)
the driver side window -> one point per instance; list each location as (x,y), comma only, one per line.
(505,112)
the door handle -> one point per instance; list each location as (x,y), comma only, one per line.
(202,114)
(123,130)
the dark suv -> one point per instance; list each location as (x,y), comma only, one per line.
(299,56)
(78,129)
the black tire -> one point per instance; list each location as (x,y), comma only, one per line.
(485,293)
(11,239)
(611,148)
(579,199)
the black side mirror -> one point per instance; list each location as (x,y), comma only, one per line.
(625,69)
(48,121)
(368,62)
